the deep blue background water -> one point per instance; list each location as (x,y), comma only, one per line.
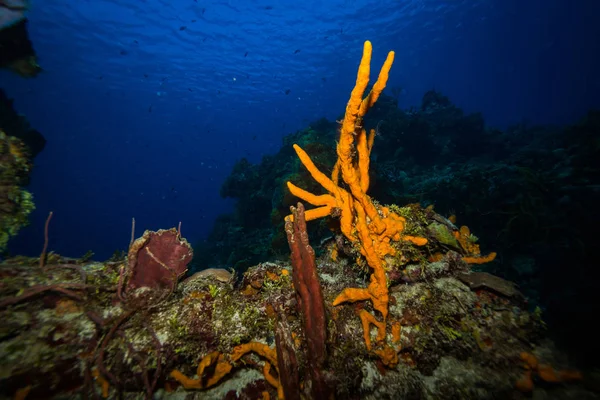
(146,104)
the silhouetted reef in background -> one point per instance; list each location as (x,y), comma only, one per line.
(530,193)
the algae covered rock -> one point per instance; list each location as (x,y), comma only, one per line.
(15,202)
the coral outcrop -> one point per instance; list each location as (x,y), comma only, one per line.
(65,333)
(19,143)
(128,328)
(15,202)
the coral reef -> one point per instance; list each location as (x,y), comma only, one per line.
(15,202)
(66,333)
(529,192)
(128,328)
(19,143)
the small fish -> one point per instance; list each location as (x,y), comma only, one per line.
(377,131)
(297,51)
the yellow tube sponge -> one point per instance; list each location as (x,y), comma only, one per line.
(369,226)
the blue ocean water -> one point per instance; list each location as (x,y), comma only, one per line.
(146,105)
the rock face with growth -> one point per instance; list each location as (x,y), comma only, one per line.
(19,144)
(15,202)
(66,333)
